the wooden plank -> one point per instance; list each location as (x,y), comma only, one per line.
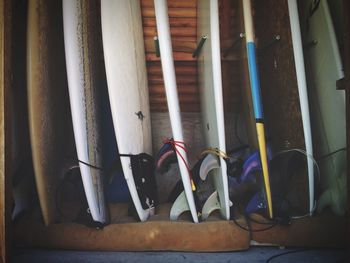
(172,3)
(178,56)
(193,108)
(189,68)
(318,231)
(181,80)
(187,45)
(174,32)
(5,184)
(174,22)
(173,12)
(276,64)
(141,236)
(183,99)
(183,90)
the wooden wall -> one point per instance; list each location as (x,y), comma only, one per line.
(183,29)
(5,79)
(277,73)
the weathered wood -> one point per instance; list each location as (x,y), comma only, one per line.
(159,98)
(183,30)
(159,90)
(149,236)
(178,56)
(181,68)
(174,32)
(186,45)
(193,108)
(172,3)
(278,77)
(5,81)
(182,80)
(318,231)
(174,22)
(173,12)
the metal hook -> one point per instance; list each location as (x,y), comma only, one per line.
(199,47)
(156,46)
(234,45)
(311,43)
(275,39)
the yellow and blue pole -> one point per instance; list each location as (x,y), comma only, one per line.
(256,97)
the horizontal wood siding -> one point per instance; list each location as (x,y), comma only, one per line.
(183,30)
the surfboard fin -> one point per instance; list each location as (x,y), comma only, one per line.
(180,206)
(212,204)
(209,163)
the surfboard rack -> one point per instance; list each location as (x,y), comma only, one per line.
(234,45)
(199,47)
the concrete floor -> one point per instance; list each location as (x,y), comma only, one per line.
(253,255)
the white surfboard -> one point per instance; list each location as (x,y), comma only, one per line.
(328,104)
(303,96)
(166,53)
(82,94)
(124,54)
(210,82)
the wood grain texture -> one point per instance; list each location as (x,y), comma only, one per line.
(278,78)
(157,234)
(236,101)
(279,87)
(172,4)
(183,29)
(319,231)
(5,83)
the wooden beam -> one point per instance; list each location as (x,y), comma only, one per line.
(174,32)
(318,231)
(5,185)
(174,22)
(173,12)
(186,45)
(142,236)
(172,3)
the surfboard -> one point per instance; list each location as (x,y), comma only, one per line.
(167,61)
(256,98)
(125,65)
(78,21)
(303,95)
(328,113)
(212,110)
(51,134)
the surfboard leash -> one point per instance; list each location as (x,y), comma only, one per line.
(217,152)
(179,144)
